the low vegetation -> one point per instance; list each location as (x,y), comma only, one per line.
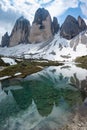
(82,61)
(27,67)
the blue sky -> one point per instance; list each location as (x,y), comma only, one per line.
(10,10)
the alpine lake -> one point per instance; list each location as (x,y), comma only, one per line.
(45,100)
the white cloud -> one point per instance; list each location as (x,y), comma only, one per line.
(85,21)
(2,32)
(5,28)
(58,7)
(84,7)
(55,7)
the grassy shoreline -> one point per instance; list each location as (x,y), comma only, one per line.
(27,67)
(82,61)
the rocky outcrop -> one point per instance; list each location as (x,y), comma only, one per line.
(70,28)
(55,25)
(5,40)
(41,29)
(82,24)
(20,32)
(81,38)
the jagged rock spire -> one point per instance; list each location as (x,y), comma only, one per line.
(41,29)
(40,15)
(20,32)
(55,25)
(72,27)
(5,40)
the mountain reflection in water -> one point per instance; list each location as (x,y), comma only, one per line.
(42,101)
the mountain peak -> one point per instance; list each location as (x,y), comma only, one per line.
(69,28)
(20,32)
(70,18)
(40,15)
(72,27)
(41,29)
(21,18)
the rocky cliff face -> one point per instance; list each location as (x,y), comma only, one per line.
(41,29)
(72,27)
(55,25)
(5,40)
(82,24)
(20,32)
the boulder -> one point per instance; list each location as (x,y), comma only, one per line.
(5,40)
(20,32)
(41,29)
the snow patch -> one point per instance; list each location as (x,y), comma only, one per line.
(57,50)
(5,77)
(9,60)
(16,74)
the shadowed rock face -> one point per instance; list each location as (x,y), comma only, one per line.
(5,40)
(41,29)
(82,24)
(70,28)
(20,32)
(55,25)
(40,15)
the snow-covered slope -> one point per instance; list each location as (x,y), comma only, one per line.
(54,49)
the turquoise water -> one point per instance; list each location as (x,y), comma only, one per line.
(43,101)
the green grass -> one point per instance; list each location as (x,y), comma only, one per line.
(26,67)
(82,61)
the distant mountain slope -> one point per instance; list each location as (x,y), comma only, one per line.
(56,48)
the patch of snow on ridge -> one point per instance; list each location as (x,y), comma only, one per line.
(9,60)
(55,49)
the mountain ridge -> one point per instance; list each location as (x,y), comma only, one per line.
(42,29)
